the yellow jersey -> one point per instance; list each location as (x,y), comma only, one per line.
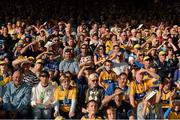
(107,77)
(165,99)
(138,90)
(65,97)
(174,115)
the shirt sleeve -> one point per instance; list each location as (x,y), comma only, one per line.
(25,100)
(6,99)
(139,111)
(61,66)
(74,95)
(5,81)
(132,89)
(76,67)
(33,97)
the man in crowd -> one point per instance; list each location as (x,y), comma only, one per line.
(16,99)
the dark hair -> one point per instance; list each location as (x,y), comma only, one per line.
(44,73)
(109,108)
(109,61)
(123,73)
(87,104)
(115,46)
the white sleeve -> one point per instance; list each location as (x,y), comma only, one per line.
(33,96)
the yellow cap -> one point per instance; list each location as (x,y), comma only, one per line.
(40,61)
(137,46)
(30,58)
(146,58)
(3,62)
(162,53)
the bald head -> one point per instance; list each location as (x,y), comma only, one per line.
(17,78)
(93,80)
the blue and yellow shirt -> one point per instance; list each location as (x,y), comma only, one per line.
(65,97)
(107,77)
(165,99)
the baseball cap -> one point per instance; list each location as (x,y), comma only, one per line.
(39,61)
(162,53)
(137,46)
(146,58)
(25,62)
(2,62)
(30,58)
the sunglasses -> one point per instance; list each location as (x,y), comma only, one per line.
(44,76)
(94,80)
(83,48)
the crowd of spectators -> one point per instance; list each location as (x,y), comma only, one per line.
(105,60)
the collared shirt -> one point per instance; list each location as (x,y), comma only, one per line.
(16,98)
(69,65)
(44,93)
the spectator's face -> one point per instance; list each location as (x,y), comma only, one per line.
(3,67)
(44,79)
(122,80)
(17,78)
(162,57)
(92,108)
(71,42)
(5,30)
(83,49)
(153,52)
(67,55)
(66,83)
(139,76)
(18,23)
(42,33)
(146,62)
(138,35)
(26,66)
(116,49)
(118,97)
(114,38)
(167,86)
(170,52)
(93,81)
(51,57)
(111,114)
(95,26)
(124,36)
(51,75)
(101,50)
(95,37)
(39,66)
(108,66)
